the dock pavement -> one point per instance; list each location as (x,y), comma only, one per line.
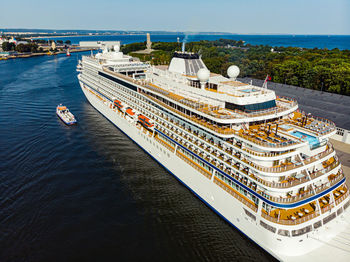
(343,152)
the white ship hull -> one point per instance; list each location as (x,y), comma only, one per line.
(287,249)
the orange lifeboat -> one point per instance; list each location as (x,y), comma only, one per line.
(118,104)
(145,121)
(129,111)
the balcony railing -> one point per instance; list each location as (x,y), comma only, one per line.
(306,217)
(269,144)
(291,166)
(289,221)
(342,198)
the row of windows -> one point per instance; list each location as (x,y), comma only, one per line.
(121,82)
(251,107)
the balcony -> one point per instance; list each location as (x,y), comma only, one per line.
(294,216)
(290,166)
(210,155)
(306,212)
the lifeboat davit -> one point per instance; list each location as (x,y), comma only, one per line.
(146,122)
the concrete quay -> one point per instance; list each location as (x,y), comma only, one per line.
(343,152)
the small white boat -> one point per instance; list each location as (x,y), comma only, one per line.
(66,116)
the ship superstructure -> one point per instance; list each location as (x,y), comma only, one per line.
(254,158)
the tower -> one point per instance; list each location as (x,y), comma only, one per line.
(53,45)
(149,43)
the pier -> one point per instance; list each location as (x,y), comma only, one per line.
(343,152)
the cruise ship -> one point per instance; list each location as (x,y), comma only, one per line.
(254,158)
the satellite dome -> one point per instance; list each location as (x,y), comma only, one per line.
(233,71)
(203,75)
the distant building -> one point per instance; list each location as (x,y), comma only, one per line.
(53,45)
(236,47)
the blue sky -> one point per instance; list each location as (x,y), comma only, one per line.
(244,16)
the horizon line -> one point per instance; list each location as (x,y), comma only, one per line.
(172,31)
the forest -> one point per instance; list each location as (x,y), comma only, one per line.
(319,69)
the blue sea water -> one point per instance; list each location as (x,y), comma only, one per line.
(307,41)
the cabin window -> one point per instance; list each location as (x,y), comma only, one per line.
(317,224)
(249,214)
(268,227)
(339,211)
(283,232)
(329,218)
(301,231)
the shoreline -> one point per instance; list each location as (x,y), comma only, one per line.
(46,53)
(65,36)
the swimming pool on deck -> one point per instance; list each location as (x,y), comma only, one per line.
(313,141)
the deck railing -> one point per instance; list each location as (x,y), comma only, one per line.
(292,166)
(295,182)
(342,198)
(269,144)
(306,217)
(290,222)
